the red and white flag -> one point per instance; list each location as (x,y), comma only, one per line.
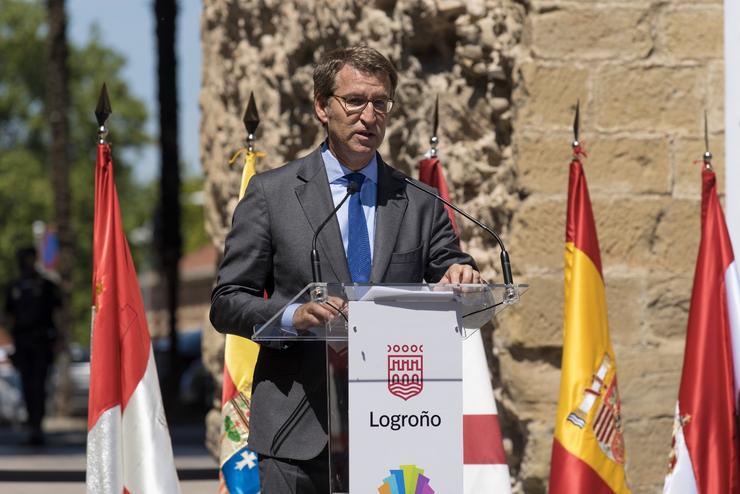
(484,460)
(705,456)
(485,468)
(128,444)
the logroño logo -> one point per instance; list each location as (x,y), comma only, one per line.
(405,370)
(406,478)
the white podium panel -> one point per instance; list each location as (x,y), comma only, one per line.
(405,396)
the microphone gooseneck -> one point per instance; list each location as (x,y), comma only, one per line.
(352,187)
(505,262)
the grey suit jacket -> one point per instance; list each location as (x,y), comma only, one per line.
(269,248)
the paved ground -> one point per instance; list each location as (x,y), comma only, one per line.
(59,465)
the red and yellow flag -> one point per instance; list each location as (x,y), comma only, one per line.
(588,452)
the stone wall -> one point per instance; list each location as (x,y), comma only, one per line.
(644,72)
(508,74)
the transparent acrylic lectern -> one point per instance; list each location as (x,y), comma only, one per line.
(468,307)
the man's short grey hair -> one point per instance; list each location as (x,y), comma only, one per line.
(363,58)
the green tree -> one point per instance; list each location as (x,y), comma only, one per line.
(25,162)
(194,234)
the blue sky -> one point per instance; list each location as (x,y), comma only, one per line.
(128,27)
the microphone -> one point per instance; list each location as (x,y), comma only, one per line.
(510,292)
(352,187)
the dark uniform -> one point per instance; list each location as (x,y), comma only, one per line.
(30,302)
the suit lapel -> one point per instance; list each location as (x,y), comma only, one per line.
(315,198)
(390,208)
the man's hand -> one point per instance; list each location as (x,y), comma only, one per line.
(316,314)
(461,273)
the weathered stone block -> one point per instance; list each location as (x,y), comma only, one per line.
(538,320)
(551,95)
(538,234)
(646,234)
(614,165)
(688,166)
(535,467)
(648,97)
(668,300)
(648,380)
(672,246)
(693,33)
(627,165)
(624,226)
(572,33)
(648,444)
(716,101)
(542,162)
(625,305)
(534,398)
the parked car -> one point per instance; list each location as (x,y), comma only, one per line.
(195,385)
(12,408)
(79,382)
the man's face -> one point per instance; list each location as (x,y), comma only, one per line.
(354,138)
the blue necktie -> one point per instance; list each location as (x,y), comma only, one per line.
(358,248)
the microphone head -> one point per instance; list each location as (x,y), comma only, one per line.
(353,187)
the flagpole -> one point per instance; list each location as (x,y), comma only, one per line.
(707,157)
(434,140)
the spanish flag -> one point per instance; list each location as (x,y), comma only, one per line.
(588,452)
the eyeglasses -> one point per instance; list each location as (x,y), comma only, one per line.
(353,105)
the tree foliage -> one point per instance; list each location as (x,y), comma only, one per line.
(25,162)
(193,221)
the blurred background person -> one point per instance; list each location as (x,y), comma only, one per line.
(30,303)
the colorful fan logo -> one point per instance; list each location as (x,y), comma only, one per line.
(408,479)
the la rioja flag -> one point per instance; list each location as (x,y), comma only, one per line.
(705,457)
(128,443)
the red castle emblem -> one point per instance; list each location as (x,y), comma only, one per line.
(405,370)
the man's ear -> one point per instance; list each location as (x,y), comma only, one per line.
(320,109)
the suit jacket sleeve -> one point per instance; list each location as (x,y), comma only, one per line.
(443,246)
(237,300)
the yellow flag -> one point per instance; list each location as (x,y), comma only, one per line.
(240,358)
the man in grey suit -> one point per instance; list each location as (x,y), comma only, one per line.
(394,234)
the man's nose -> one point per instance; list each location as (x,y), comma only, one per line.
(368,114)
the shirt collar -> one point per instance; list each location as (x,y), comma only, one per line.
(335,171)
